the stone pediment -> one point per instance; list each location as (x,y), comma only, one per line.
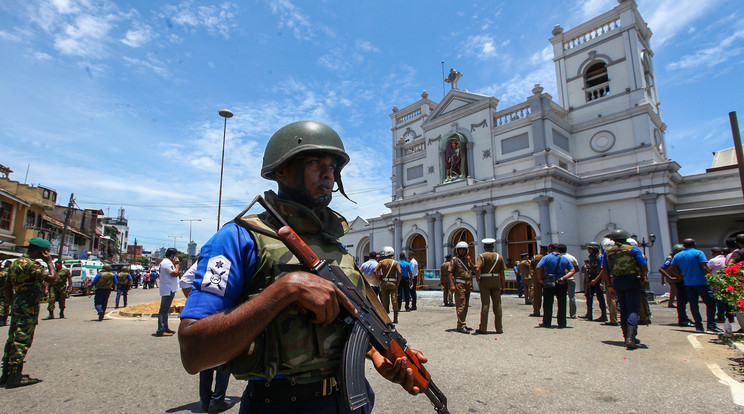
(358,223)
(459,102)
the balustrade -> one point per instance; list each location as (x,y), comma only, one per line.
(592,34)
(596,92)
(512,114)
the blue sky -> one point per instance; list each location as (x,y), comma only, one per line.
(117,101)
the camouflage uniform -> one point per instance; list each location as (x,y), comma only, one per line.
(26,277)
(594,267)
(461,268)
(388,269)
(4,308)
(524,267)
(104,285)
(626,269)
(124,283)
(58,292)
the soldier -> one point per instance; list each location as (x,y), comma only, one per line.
(461,282)
(644,316)
(489,272)
(256,309)
(593,286)
(104,282)
(123,284)
(536,284)
(628,269)
(4,308)
(525,271)
(444,278)
(610,297)
(26,279)
(59,291)
(388,270)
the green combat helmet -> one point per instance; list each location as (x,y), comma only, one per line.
(677,248)
(593,245)
(302,137)
(106,267)
(619,235)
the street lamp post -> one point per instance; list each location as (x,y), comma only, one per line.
(225,113)
(190,222)
(644,244)
(174,240)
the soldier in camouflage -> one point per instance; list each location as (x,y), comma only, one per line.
(593,286)
(4,304)
(104,283)
(255,308)
(123,284)
(58,292)
(26,278)
(628,268)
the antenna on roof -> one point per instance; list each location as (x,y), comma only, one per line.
(443,93)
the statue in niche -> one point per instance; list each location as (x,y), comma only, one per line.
(454,160)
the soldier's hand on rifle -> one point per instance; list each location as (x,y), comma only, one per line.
(397,371)
(314,294)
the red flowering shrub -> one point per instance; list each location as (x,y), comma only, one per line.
(728,285)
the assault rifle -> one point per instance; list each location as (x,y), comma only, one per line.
(366,327)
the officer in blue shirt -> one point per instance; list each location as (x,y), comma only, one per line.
(226,316)
(692,265)
(404,290)
(553,272)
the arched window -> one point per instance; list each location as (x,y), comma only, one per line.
(520,239)
(418,247)
(596,81)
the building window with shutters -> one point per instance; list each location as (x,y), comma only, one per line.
(6,215)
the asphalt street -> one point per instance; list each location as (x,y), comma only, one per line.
(116,365)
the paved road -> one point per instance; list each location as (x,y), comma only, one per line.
(117,366)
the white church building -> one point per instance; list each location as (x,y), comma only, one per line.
(568,170)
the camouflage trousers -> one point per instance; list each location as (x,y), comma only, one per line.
(20,336)
(56,295)
(4,308)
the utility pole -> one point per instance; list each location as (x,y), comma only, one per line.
(737,147)
(64,228)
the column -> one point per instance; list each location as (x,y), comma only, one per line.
(543,202)
(480,220)
(656,253)
(397,235)
(372,241)
(490,221)
(431,248)
(673,232)
(438,238)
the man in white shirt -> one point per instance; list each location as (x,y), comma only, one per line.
(368,269)
(168,287)
(570,282)
(414,278)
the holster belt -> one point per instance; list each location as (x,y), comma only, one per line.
(284,391)
(488,274)
(462,281)
(390,280)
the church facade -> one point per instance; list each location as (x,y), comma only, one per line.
(567,171)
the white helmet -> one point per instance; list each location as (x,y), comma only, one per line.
(387,251)
(632,242)
(461,245)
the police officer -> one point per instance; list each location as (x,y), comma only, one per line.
(256,309)
(389,273)
(58,292)
(444,278)
(461,282)
(679,284)
(123,284)
(536,283)
(593,286)
(104,283)
(525,271)
(628,268)
(26,279)
(489,272)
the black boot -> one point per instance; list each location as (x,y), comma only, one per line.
(15,379)
(4,376)
(395,317)
(603,316)
(630,337)
(100,316)
(61,313)
(50,316)
(4,320)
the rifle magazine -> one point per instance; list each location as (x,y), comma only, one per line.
(352,368)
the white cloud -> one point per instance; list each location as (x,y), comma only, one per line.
(667,18)
(42,56)
(9,36)
(711,56)
(84,37)
(215,19)
(480,46)
(151,65)
(366,46)
(138,37)
(292,18)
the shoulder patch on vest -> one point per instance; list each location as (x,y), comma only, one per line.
(215,277)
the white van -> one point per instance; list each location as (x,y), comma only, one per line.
(83,272)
